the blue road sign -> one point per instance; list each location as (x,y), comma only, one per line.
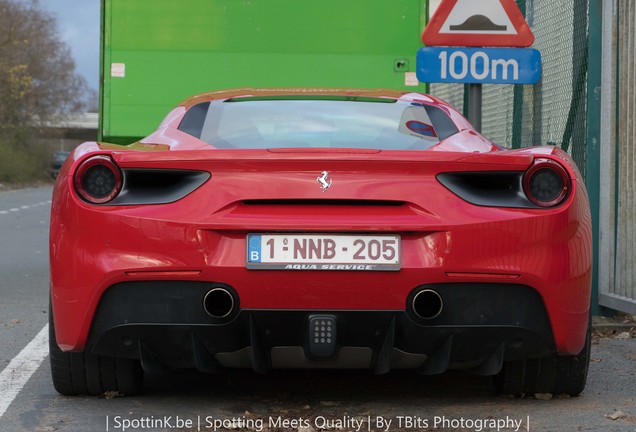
(479,65)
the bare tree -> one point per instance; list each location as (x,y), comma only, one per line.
(37,72)
(37,81)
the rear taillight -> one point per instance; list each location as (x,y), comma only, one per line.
(546,183)
(98,180)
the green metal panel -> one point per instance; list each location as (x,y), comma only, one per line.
(172,50)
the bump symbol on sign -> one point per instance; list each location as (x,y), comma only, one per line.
(483,17)
(477,23)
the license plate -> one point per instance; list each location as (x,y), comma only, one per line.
(323,252)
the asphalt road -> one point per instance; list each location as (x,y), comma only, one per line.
(244,401)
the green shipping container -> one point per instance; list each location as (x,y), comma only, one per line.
(155,53)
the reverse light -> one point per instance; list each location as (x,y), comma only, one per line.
(98,180)
(546,183)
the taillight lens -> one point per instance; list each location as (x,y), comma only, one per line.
(98,180)
(546,183)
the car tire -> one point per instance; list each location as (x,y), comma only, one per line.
(554,374)
(84,373)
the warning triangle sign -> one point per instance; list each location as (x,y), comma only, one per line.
(488,23)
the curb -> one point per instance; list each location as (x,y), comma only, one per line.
(617,324)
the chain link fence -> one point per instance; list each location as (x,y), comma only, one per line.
(552,111)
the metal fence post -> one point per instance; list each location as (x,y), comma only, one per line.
(592,168)
(517,104)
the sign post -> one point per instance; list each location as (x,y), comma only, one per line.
(456,36)
(474,105)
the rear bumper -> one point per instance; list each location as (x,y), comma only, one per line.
(164,325)
(556,269)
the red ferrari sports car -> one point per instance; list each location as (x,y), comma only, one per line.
(319,228)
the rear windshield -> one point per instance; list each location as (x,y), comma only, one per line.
(262,123)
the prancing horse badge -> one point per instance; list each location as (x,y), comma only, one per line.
(323,182)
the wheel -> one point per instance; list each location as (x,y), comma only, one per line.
(554,374)
(90,374)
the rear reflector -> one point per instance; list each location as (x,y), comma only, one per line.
(176,273)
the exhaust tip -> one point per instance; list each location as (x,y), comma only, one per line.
(427,304)
(219,303)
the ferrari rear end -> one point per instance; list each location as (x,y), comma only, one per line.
(319,230)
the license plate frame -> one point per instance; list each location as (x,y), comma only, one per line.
(323,251)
